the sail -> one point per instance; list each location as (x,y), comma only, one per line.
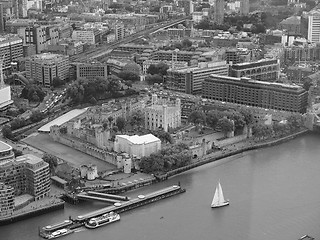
(215,200)
(221,197)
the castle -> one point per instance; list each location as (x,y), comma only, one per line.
(163,114)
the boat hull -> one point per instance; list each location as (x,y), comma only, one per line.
(102,224)
(60,235)
(226,203)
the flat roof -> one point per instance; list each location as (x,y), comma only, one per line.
(4,147)
(62,119)
(148,138)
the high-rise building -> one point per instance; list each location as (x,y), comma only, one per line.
(119,31)
(43,68)
(6,199)
(314,26)
(10,49)
(40,36)
(291,98)
(244,7)
(219,11)
(187,6)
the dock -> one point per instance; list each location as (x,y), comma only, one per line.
(117,207)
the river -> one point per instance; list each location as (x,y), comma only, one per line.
(274,194)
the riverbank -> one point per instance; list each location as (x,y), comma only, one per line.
(231,150)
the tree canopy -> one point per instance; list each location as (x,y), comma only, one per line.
(33,93)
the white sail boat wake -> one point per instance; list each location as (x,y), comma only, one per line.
(218,198)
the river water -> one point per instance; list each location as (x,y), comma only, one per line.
(274,194)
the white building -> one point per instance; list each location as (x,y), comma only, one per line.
(5,91)
(314,26)
(90,36)
(140,146)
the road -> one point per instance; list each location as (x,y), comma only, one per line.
(104,49)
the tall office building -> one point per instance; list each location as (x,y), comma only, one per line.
(40,36)
(314,26)
(244,7)
(43,68)
(219,11)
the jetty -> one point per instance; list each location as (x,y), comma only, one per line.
(117,207)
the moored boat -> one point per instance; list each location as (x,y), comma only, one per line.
(103,220)
(59,233)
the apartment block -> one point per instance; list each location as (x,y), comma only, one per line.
(40,36)
(44,67)
(189,79)
(10,49)
(262,70)
(91,70)
(246,91)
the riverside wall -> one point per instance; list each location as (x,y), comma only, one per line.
(31,213)
(208,159)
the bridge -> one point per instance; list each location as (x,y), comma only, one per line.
(102,197)
(101,51)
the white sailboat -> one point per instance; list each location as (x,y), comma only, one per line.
(218,198)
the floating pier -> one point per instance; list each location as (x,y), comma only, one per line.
(102,199)
(117,207)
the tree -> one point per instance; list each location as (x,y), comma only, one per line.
(238,119)
(57,82)
(17,152)
(51,160)
(136,118)
(36,116)
(295,121)
(110,119)
(93,101)
(152,79)
(7,132)
(212,118)
(248,116)
(17,123)
(132,76)
(226,125)
(152,69)
(197,117)
(30,92)
(186,43)
(281,129)
(120,123)
(307,84)
(262,131)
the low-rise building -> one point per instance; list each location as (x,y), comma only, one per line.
(6,200)
(91,70)
(140,146)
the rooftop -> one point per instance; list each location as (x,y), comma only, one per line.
(46,56)
(4,147)
(145,139)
